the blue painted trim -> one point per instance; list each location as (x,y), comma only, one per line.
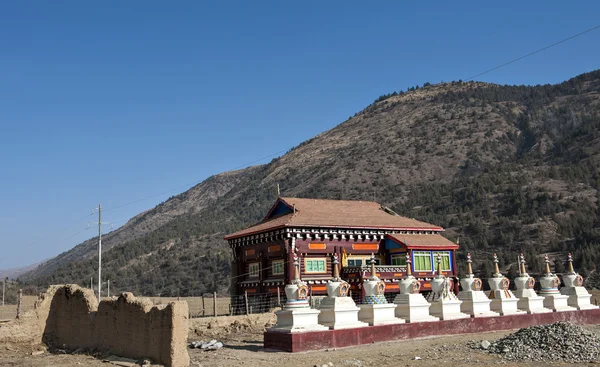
(450,260)
(432,259)
(389,244)
(280,209)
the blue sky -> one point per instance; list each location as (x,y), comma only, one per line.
(112,102)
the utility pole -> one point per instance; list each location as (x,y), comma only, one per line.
(99,252)
(100,223)
(108,290)
(3,289)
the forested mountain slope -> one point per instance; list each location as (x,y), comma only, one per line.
(505,168)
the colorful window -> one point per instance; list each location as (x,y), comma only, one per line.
(355,262)
(315,265)
(445,260)
(277,267)
(422,260)
(399,259)
(253,269)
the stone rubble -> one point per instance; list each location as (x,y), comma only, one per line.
(211,345)
(561,341)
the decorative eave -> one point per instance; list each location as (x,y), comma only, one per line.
(331,233)
(253,239)
(420,242)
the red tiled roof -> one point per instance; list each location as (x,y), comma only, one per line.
(423,241)
(335,213)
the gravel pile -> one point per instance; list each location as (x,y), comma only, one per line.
(560,341)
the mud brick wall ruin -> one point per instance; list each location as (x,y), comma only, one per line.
(69,317)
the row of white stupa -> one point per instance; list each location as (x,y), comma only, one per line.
(338,311)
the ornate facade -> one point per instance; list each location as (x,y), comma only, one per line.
(317,229)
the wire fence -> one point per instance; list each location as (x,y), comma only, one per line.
(210,305)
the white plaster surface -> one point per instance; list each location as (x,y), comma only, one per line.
(530,302)
(504,302)
(413,307)
(339,313)
(557,302)
(298,320)
(447,310)
(578,297)
(379,314)
(475,303)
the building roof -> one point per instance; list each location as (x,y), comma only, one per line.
(423,241)
(296,212)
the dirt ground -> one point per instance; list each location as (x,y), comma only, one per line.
(243,339)
(243,346)
(8,312)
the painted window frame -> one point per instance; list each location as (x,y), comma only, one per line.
(354,260)
(253,273)
(365,259)
(279,263)
(401,256)
(323,259)
(444,253)
(423,254)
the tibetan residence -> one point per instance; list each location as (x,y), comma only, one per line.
(317,229)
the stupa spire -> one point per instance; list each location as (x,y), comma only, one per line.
(296,268)
(547,261)
(570,266)
(469,266)
(336,269)
(522,269)
(496,267)
(373,273)
(408,265)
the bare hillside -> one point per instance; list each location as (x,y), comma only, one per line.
(507,168)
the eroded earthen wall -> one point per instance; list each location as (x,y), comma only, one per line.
(69,316)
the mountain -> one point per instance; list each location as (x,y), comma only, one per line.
(13,273)
(507,169)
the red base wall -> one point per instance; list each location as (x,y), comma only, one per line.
(299,342)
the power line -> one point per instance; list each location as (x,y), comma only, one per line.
(191,183)
(57,232)
(533,53)
(372,132)
(45,237)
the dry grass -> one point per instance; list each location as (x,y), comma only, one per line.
(9,312)
(195,305)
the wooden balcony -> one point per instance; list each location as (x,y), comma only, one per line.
(378,269)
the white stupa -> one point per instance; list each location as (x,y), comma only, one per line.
(410,303)
(574,289)
(529,301)
(375,310)
(474,301)
(444,303)
(503,300)
(296,315)
(552,297)
(338,311)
